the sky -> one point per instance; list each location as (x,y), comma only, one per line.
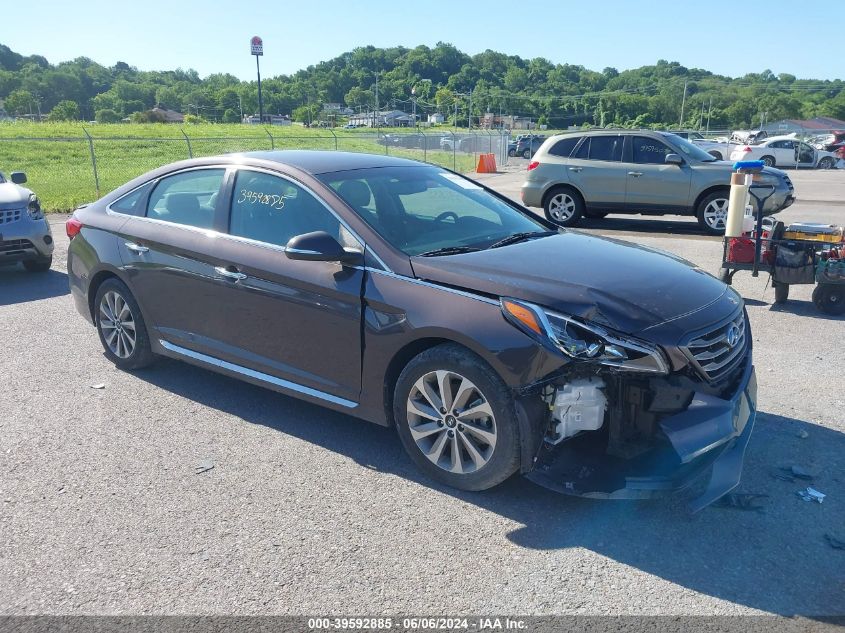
(726,37)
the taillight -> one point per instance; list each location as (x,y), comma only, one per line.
(746,149)
(534,164)
(73,227)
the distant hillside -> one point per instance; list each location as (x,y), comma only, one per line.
(442,77)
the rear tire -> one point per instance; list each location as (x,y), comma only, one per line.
(526,153)
(768,161)
(712,212)
(781,292)
(121,326)
(475,452)
(830,298)
(563,206)
(38,265)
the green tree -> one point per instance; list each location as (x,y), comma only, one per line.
(65,111)
(230,116)
(107,115)
(19,102)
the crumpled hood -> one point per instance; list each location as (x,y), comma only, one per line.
(13,196)
(624,286)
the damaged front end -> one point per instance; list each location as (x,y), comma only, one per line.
(628,419)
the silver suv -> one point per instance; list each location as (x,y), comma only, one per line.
(24,231)
(591,174)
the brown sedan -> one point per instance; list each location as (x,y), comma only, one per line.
(408,295)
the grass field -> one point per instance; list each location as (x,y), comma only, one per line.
(57,156)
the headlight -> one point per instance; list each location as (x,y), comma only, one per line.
(584,342)
(33,207)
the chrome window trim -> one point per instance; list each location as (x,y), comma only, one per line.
(421,282)
(245,371)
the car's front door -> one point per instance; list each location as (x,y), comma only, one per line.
(295,320)
(654,185)
(805,154)
(596,169)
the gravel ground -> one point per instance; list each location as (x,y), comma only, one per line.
(307,511)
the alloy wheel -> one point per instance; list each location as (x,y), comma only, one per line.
(561,207)
(716,214)
(117,324)
(451,422)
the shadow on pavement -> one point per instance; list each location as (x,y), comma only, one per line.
(775,560)
(805,309)
(19,286)
(637,224)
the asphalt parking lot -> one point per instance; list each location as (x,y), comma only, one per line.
(312,512)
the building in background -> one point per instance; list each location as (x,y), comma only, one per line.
(818,125)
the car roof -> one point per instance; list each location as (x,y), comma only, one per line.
(325,161)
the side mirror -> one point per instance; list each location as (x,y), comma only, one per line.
(674,159)
(18,177)
(319,246)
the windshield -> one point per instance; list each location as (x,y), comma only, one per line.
(426,209)
(689,149)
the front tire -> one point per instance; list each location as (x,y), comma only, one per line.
(715,154)
(712,213)
(121,326)
(38,265)
(564,207)
(826,163)
(456,419)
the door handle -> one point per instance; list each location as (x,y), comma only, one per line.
(136,248)
(576,169)
(234,275)
(635,174)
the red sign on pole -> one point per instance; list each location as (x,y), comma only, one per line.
(256,46)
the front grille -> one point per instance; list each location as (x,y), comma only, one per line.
(10,215)
(712,352)
(10,247)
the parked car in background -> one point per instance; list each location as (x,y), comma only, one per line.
(719,148)
(749,136)
(527,145)
(410,296)
(834,143)
(591,174)
(25,234)
(689,135)
(785,151)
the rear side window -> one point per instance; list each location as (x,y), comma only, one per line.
(606,148)
(188,198)
(132,203)
(649,151)
(564,146)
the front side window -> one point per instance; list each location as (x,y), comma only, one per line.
(649,151)
(187,198)
(425,209)
(272,209)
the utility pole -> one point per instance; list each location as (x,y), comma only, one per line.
(469,114)
(709,112)
(376,113)
(683,103)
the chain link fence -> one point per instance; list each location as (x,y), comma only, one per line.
(68,171)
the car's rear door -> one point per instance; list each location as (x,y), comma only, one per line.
(596,169)
(653,185)
(298,321)
(169,258)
